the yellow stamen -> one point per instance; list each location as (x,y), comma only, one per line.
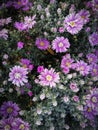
(60,44)
(42,43)
(22,127)
(49,77)
(72,23)
(9,110)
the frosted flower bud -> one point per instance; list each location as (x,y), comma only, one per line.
(38,122)
(59,11)
(74,75)
(69,76)
(54,103)
(52,128)
(66,99)
(39,111)
(67,127)
(39,7)
(82,82)
(5,56)
(42,96)
(4,82)
(10,90)
(34,99)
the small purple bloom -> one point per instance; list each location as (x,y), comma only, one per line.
(82,67)
(66,64)
(7,124)
(9,109)
(20,26)
(84,15)
(27,63)
(42,43)
(93,38)
(92,58)
(40,69)
(94,69)
(20,45)
(89,113)
(73,23)
(18,76)
(21,125)
(60,44)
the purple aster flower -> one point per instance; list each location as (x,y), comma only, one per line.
(73,23)
(49,78)
(60,44)
(29,21)
(95,5)
(27,63)
(92,58)
(94,69)
(93,39)
(66,64)
(89,112)
(9,109)
(84,15)
(18,75)
(42,43)
(21,125)
(92,98)
(7,124)
(20,26)
(24,2)
(82,67)
(17,4)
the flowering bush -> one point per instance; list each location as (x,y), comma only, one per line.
(48,64)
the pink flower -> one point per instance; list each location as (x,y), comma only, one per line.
(49,78)
(20,45)
(60,44)
(73,87)
(42,43)
(40,69)
(18,76)
(76,98)
(30,93)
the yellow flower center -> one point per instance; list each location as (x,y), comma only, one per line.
(25,66)
(96,6)
(42,43)
(89,109)
(22,127)
(19,3)
(67,64)
(91,59)
(83,17)
(94,99)
(9,110)
(49,77)
(17,75)
(72,24)
(82,68)
(60,44)
(95,71)
(7,127)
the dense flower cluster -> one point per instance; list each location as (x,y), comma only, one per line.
(48,64)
